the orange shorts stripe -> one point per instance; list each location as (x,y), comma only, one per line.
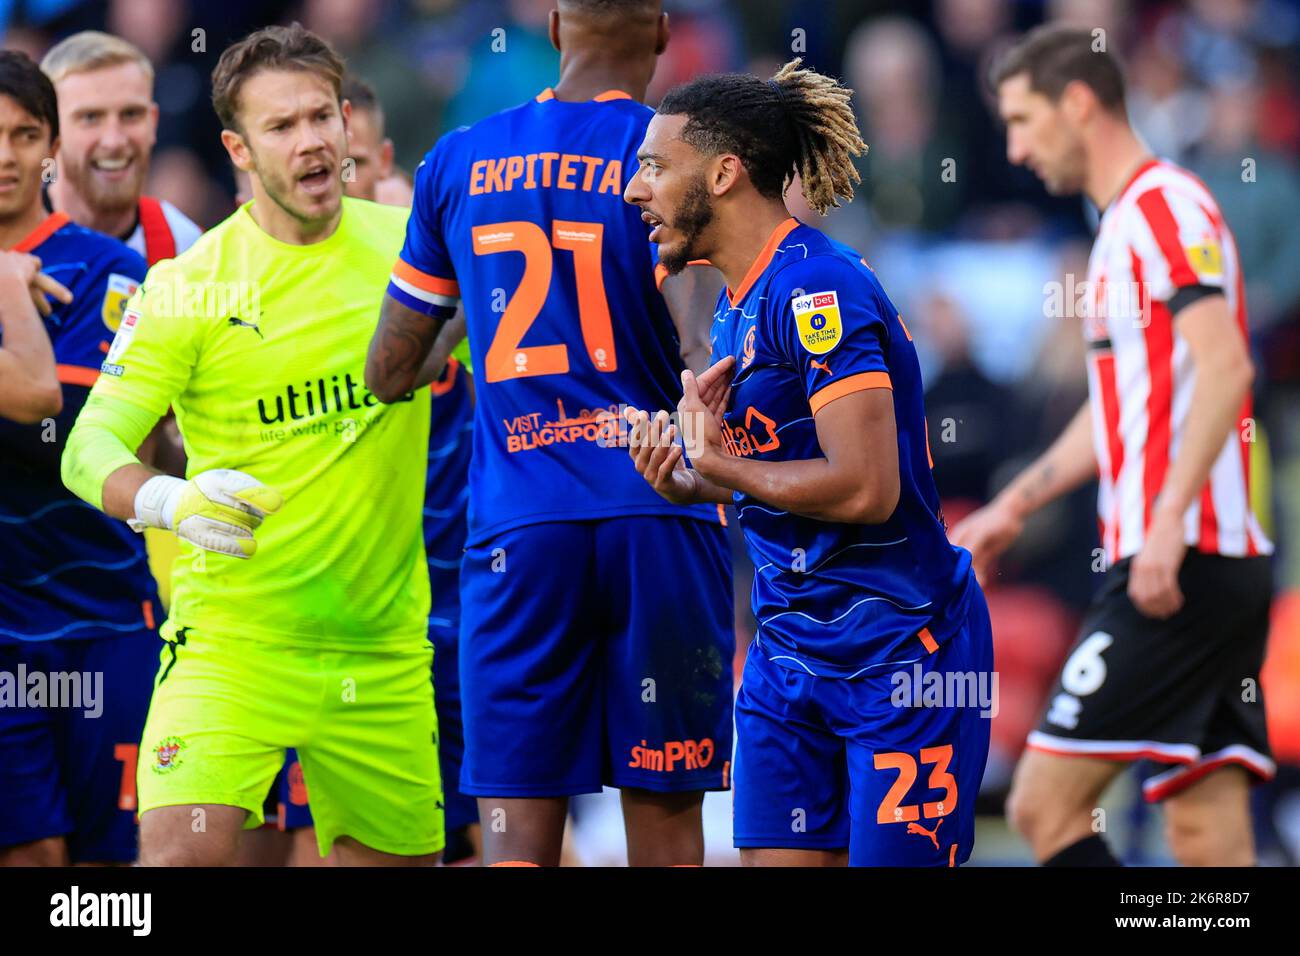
(422,280)
(847,386)
(77,375)
(928,640)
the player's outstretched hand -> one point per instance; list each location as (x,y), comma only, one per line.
(652,444)
(216,510)
(986,533)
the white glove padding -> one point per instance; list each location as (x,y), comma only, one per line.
(216,510)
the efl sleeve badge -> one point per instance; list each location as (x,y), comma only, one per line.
(117,290)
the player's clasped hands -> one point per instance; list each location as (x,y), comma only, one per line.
(652,443)
(216,510)
(701,410)
(27,268)
(652,439)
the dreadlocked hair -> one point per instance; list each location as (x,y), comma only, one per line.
(800,121)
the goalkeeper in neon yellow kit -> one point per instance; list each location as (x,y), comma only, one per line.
(300,602)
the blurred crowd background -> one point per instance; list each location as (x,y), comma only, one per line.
(967,245)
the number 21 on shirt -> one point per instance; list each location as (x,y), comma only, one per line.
(506,359)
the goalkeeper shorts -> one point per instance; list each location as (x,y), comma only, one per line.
(225,709)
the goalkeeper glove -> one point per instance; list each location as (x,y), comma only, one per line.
(217,510)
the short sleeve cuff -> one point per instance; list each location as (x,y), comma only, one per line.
(847,386)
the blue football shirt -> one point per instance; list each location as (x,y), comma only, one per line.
(67,570)
(810,324)
(521,220)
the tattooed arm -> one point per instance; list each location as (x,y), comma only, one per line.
(401,351)
(451,335)
(1067,464)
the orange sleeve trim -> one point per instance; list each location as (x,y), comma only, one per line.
(928,640)
(77,375)
(722,514)
(909,338)
(422,280)
(847,386)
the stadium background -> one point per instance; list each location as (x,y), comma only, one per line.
(971,248)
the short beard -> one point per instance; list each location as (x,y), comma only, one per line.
(279,196)
(692,219)
(107,200)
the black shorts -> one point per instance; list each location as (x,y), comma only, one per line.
(1184,692)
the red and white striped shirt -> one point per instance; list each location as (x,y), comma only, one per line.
(1162,233)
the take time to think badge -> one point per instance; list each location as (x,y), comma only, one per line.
(818,319)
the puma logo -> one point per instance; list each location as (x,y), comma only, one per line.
(813,363)
(918,829)
(240,323)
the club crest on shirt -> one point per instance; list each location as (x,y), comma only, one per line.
(747,350)
(118,289)
(167,754)
(818,318)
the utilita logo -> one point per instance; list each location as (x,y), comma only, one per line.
(320,397)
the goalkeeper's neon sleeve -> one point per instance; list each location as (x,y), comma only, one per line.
(104,438)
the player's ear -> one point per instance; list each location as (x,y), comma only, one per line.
(1077,102)
(724,173)
(553,28)
(237,149)
(661,43)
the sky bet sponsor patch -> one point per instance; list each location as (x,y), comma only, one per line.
(818,318)
(125,332)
